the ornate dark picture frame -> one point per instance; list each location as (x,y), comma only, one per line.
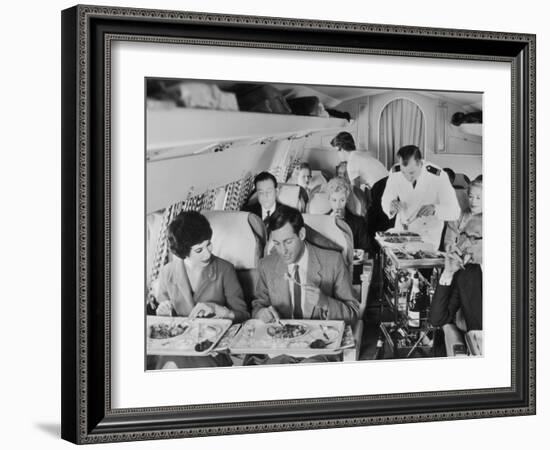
(87,35)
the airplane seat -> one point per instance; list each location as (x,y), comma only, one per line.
(318,203)
(462,197)
(317,180)
(325,231)
(239,237)
(461,180)
(356,202)
(289,194)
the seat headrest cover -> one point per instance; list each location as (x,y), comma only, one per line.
(289,195)
(335,230)
(234,238)
(318,203)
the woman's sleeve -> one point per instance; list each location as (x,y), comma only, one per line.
(234,294)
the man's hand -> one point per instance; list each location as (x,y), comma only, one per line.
(164,308)
(426,210)
(267,315)
(453,260)
(396,206)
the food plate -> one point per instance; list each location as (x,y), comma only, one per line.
(287,330)
(405,257)
(181,336)
(290,337)
(397,238)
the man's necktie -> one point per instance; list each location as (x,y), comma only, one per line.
(267,214)
(297,295)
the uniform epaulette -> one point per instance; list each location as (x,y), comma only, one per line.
(433,170)
(396,168)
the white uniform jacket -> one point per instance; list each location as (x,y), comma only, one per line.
(432,188)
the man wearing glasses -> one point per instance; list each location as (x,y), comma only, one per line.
(460,283)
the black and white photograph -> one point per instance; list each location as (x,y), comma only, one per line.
(301,224)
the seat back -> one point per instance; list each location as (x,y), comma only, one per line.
(331,230)
(317,180)
(356,202)
(318,203)
(461,180)
(239,237)
(462,197)
(289,194)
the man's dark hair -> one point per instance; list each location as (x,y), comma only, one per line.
(189,228)
(283,215)
(344,140)
(407,152)
(451,173)
(304,165)
(263,176)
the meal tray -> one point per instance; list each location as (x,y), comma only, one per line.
(416,263)
(196,330)
(397,238)
(258,337)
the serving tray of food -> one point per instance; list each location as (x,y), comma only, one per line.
(181,336)
(396,238)
(296,337)
(414,256)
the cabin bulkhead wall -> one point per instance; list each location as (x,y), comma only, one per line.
(462,155)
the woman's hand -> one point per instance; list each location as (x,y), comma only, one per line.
(164,308)
(209,310)
(453,260)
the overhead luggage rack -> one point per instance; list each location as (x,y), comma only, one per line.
(181,132)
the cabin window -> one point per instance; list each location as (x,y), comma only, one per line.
(401,123)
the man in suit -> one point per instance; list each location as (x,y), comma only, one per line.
(460,284)
(267,190)
(301,281)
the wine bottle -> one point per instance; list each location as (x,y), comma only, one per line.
(414,302)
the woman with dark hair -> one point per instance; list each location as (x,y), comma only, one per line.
(196,282)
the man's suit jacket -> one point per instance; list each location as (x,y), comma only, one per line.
(256,208)
(326,270)
(465,293)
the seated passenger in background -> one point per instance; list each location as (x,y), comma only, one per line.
(300,281)
(475,204)
(460,284)
(197,283)
(342,170)
(338,190)
(266,190)
(303,179)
